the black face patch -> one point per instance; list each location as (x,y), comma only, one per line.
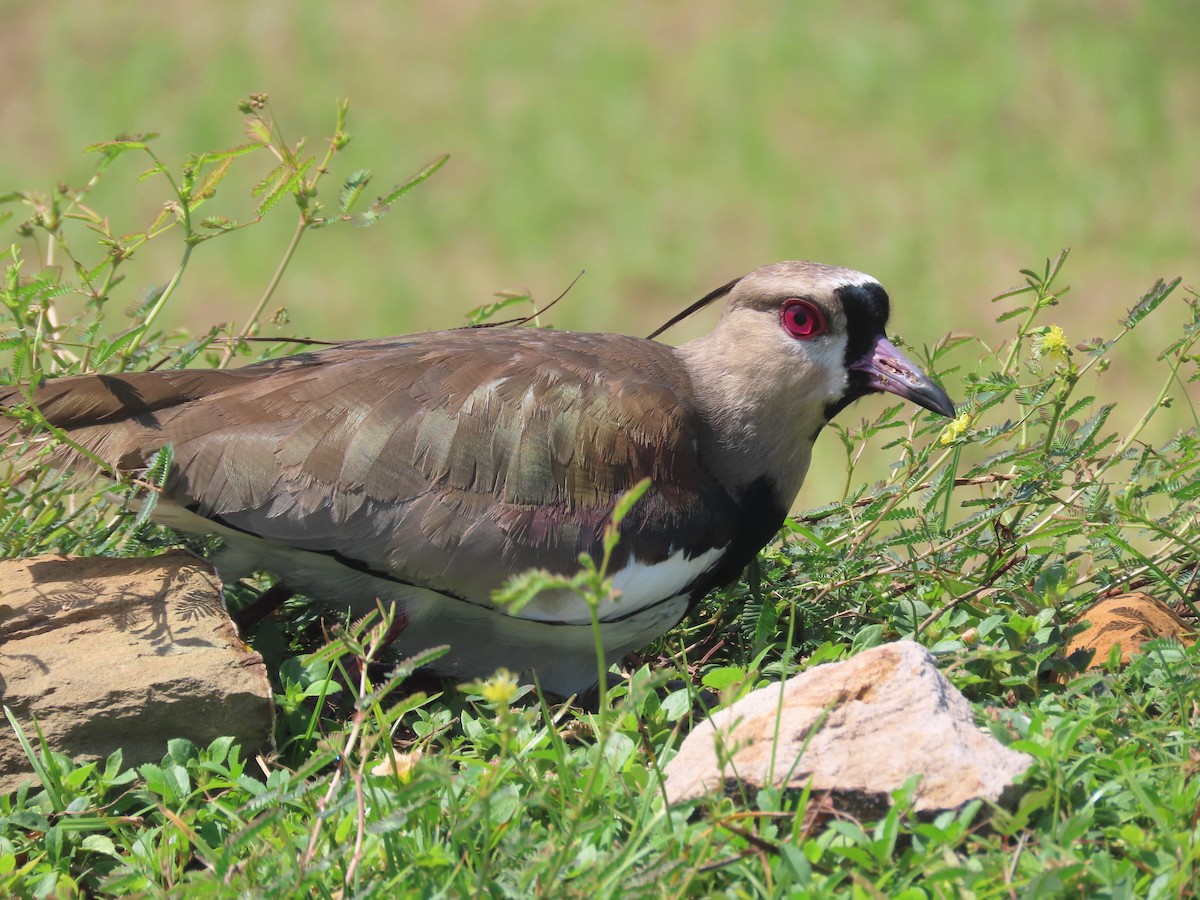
(866,308)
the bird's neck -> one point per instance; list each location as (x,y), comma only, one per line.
(761,419)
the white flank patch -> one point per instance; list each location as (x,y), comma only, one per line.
(640,584)
(643,585)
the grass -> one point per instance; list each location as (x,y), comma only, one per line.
(983,542)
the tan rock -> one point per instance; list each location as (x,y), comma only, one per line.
(1127,622)
(857,730)
(128,653)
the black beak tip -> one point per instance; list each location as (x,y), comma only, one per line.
(934,399)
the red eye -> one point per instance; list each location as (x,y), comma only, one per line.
(802,318)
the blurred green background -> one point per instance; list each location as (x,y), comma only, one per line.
(663,148)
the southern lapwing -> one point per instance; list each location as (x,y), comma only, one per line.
(426,470)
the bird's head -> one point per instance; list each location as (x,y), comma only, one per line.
(797,343)
(830,322)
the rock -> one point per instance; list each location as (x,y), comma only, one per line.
(128,653)
(1127,622)
(857,730)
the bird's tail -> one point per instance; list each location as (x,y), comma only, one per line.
(111,421)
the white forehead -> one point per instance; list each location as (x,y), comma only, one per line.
(804,277)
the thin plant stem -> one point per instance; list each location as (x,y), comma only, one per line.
(288,253)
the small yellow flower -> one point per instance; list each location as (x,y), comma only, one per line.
(500,689)
(955,429)
(399,764)
(1052,344)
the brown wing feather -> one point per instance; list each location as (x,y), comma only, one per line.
(449,459)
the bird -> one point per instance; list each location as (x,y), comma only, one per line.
(427,470)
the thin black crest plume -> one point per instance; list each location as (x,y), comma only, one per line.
(696,307)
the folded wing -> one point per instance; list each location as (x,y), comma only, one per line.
(450,460)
